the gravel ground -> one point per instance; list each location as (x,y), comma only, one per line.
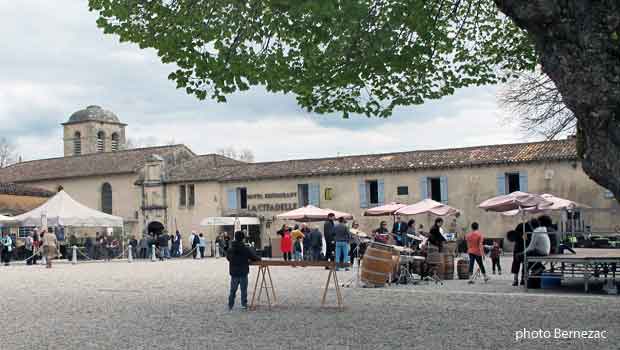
(181,305)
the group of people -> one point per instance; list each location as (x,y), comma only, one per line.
(37,244)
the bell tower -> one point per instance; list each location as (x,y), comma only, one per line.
(93,130)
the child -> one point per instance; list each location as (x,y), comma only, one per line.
(496,251)
(239,257)
(297,254)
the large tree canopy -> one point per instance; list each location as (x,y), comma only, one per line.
(369,56)
(352,56)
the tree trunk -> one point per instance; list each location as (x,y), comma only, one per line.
(578,43)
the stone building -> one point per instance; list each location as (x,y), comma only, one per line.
(16,199)
(170,187)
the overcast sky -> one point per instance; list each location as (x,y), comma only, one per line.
(54,61)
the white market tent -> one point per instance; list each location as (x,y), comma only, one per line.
(62,210)
(7,220)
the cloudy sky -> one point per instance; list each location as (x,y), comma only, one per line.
(54,61)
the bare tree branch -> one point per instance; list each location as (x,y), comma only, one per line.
(8,154)
(535,101)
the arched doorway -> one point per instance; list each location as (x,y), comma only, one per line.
(155,228)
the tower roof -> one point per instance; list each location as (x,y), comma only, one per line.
(93,113)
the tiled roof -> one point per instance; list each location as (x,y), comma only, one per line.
(415,160)
(105,163)
(209,166)
(21,190)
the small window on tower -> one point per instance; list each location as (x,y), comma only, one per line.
(77,144)
(115,141)
(100,141)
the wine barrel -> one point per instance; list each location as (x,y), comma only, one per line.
(462,269)
(446,268)
(449,247)
(377,264)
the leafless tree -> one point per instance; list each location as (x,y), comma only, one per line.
(244,155)
(8,155)
(133,143)
(535,100)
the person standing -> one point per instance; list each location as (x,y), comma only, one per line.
(7,248)
(195,242)
(316,244)
(162,240)
(342,236)
(49,245)
(219,241)
(496,252)
(134,246)
(202,245)
(286,245)
(36,245)
(410,242)
(174,246)
(144,247)
(109,246)
(475,250)
(28,247)
(328,233)
(239,257)
(436,238)
(297,250)
(399,230)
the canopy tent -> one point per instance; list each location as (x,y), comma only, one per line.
(514,201)
(311,213)
(383,210)
(7,220)
(428,206)
(557,204)
(519,201)
(229,221)
(62,210)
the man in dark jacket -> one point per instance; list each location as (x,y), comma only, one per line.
(342,236)
(239,257)
(399,230)
(316,244)
(328,232)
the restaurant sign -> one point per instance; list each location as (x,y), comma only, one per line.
(271,207)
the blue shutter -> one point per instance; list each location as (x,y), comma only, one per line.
(231,194)
(314,194)
(424,187)
(380,191)
(501,184)
(363,194)
(443,182)
(523,181)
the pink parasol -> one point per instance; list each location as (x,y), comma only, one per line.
(428,206)
(383,210)
(312,213)
(516,200)
(557,204)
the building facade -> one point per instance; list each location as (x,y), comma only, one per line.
(171,188)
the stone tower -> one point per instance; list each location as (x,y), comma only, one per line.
(92,130)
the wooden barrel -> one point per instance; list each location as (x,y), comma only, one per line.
(446,268)
(377,264)
(449,247)
(462,269)
(433,257)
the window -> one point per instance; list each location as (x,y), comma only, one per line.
(242,194)
(77,144)
(435,188)
(106,198)
(24,231)
(182,196)
(371,193)
(115,142)
(191,195)
(508,182)
(100,141)
(303,195)
(402,190)
(512,182)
